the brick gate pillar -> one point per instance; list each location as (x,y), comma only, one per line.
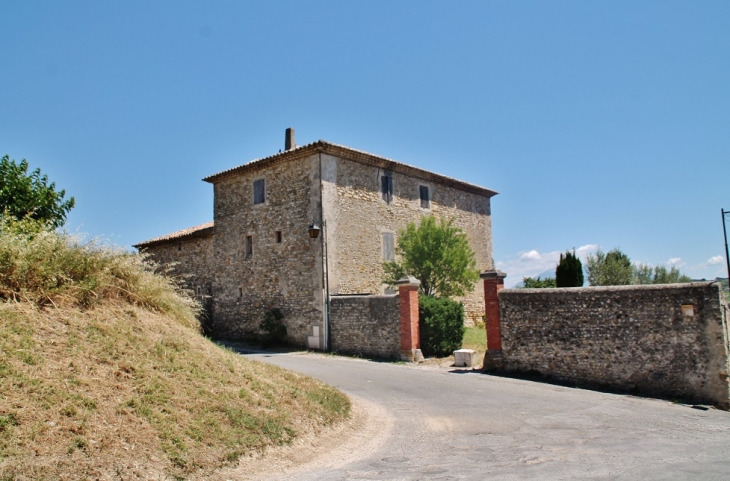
(410,337)
(493,283)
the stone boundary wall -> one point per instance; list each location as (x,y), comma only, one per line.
(667,340)
(366,325)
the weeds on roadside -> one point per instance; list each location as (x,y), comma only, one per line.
(88,386)
(44,267)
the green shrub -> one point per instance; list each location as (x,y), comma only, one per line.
(441,325)
(274,329)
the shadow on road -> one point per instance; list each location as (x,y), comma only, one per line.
(546,379)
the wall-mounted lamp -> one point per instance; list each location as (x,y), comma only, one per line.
(314,230)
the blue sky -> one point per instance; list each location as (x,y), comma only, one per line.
(600,123)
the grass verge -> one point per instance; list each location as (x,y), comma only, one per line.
(121,390)
(475,338)
(104,374)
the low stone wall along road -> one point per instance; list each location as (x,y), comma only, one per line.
(467,425)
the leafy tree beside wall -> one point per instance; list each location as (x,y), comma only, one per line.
(609,269)
(438,255)
(615,268)
(646,274)
(537,283)
(29,195)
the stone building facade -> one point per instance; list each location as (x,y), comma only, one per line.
(257,253)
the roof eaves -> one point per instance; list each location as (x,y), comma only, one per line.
(396,166)
(356,156)
(297,152)
(202,230)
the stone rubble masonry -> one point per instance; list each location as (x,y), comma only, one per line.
(666,340)
(378,326)
(365,326)
(318,182)
(357,217)
(286,275)
(191,258)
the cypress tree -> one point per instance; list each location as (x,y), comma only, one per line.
(569,272)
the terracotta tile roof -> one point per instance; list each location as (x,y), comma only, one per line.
(355,155)
(201,230)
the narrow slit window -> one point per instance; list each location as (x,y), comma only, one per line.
(278,237)
(240,292)
(386,187)
(259,192)
(388,246)
(249,246)
(425,200)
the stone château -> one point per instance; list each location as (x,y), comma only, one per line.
(257,253)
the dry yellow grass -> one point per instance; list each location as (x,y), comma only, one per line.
(104,373)
(118,391)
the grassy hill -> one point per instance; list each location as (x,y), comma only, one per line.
(104,374)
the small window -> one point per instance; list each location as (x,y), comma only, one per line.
(425,200)
(240,292)
(179,247)
(249,245)
(386,187)
(388,246)
(278,237)
(259,192)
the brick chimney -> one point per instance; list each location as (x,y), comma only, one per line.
(289,142)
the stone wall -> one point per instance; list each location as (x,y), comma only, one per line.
(286,275)
(366,325)
(285,268)
(189,259)
(667,340)
(357,217)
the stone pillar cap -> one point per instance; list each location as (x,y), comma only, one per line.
(495,274)
(408,281)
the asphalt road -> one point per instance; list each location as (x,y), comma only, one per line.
(468,425)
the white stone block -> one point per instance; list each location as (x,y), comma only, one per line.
(466,358)
(313,340)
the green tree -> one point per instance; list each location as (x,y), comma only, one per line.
(437,254)
(569,272)
(643,274)
(609,269)
(615,269)
(646,274)
(29,195)
(530,283)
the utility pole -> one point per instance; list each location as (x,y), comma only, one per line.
(724,231)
